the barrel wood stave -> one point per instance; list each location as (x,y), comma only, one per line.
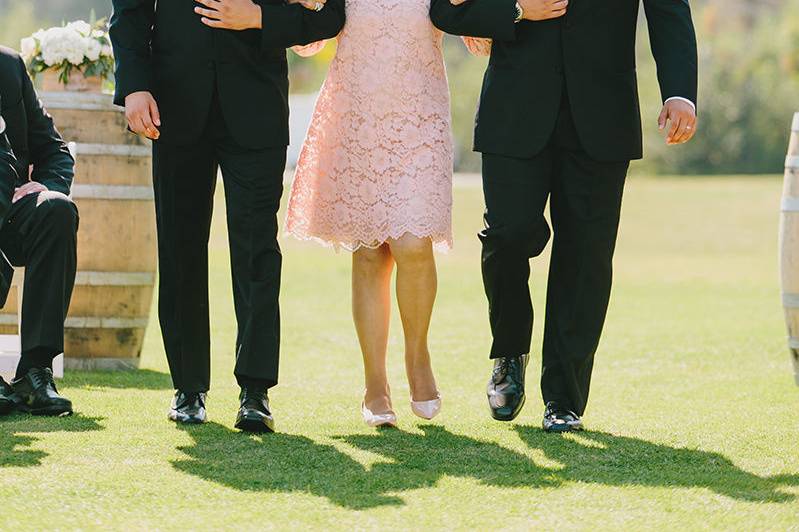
(789,245)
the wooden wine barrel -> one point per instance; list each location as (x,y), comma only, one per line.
(116,240)
(789,245)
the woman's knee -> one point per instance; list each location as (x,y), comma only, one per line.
(412,250)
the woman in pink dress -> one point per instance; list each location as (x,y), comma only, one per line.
(374,177)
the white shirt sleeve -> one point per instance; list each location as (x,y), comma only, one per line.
(683,99)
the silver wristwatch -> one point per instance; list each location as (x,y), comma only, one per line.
(519,13)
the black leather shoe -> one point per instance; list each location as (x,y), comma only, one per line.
(6,402)
(559,419)
(37,394)
(506,387)
(254,414)
(188,408)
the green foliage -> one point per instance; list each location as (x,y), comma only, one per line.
(749,90)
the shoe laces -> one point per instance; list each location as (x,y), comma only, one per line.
(42,378)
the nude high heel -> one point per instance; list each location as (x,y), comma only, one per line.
(427,409)
(389,419)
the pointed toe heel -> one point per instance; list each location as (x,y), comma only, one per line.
(389,419)
(427,409)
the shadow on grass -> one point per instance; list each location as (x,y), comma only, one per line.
(17,436)
(140,379)
(601,458)
(289,463)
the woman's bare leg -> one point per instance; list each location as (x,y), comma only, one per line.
(417,284)
(371,310)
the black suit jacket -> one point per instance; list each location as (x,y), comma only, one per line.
(8,178)
(30,139)
(589,53)
(164,48)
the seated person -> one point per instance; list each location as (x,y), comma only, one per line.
(38,232)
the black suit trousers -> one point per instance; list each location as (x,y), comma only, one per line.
(184,180)
(41,234)
(585,202)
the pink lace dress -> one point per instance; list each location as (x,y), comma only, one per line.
(377,161)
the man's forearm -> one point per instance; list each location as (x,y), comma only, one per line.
(131,30)
(494,19)
(284,26)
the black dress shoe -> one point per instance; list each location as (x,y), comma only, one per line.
(559,419)
(188,408)
(506,387)
(37,394)
(6,402)
(254,414)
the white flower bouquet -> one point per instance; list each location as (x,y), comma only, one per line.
(73,53)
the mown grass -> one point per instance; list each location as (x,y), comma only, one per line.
(694,417)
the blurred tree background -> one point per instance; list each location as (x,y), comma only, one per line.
(749,82)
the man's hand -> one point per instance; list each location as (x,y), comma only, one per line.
(313,5)
(683,121)
(543,9)
(31,187)
(142,114)
(230,14)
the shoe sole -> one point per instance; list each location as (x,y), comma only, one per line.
(255,426)
(512,416)
(49,412)
(186,420)
(558,429)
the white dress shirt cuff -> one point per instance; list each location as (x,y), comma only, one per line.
(683,99)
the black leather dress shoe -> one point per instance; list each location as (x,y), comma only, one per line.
(188,408)
(37,394)
(6,402)
(559,419)
(254,414)
(506,387)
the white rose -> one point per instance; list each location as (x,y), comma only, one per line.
(27,48)
(60,44)
(81,27)
(93,49)
(107,51)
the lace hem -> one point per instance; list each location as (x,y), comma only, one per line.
(442,242)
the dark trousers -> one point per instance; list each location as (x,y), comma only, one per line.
(585,202)
(184,180)
(41,234)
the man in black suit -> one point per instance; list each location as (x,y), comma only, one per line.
(39,232)
(559,120)
(207,81)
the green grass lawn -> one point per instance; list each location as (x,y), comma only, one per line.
(694,417)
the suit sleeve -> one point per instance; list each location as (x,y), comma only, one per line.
(131,32)
(673,40)
(53,165)
(8,176)
(492,19)
(287,25)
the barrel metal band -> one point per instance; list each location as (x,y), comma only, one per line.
(790,204)
(119,150)
(113,192)
(790,300)
(792,162)
(79,101)
(89,278)
(89,322)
